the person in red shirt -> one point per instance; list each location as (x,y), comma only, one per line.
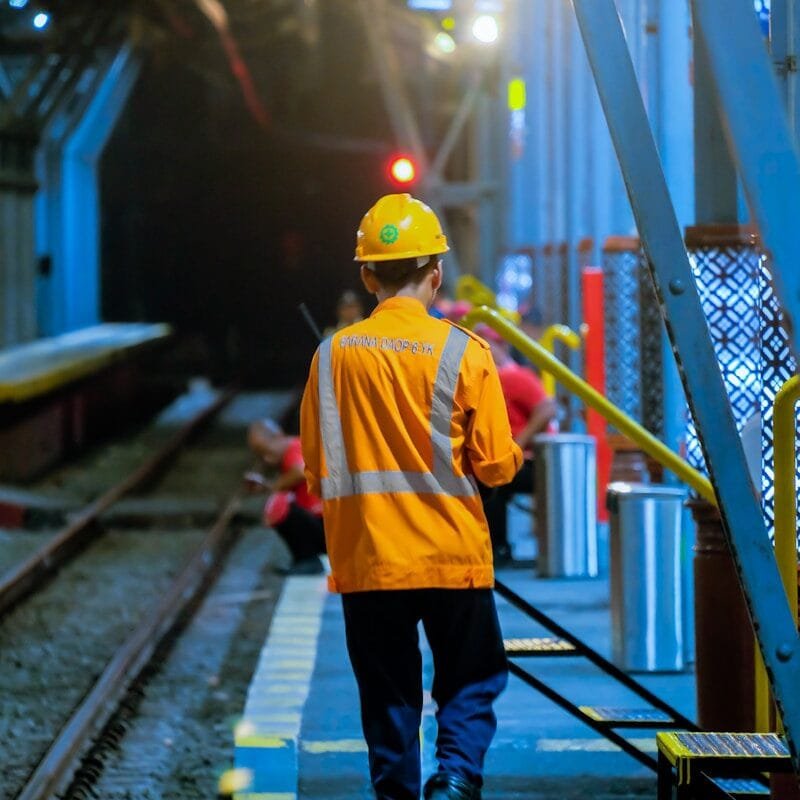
(530,411)
(291,510)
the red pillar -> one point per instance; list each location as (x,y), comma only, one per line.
(592,297)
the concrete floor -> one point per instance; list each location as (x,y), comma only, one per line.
(539,752)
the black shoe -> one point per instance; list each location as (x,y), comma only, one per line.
(450,787)
(305,566)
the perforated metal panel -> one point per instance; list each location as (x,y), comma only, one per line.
(621,310)
(776,366)
(553,273)
(652,391)
(634,376)
(563,284)
(549,284)
(727,278)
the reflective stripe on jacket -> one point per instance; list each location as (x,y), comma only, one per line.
(401,413)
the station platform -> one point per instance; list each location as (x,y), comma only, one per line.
(300,733)
(59,395)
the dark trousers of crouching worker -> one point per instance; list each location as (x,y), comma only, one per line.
(470,671)
(302,531)
(495,506)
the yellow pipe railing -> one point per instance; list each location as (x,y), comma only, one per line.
(785,455)
(547,362)
(784,431)
(562,333)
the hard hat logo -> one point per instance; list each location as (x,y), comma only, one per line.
(399,226)
(389,234)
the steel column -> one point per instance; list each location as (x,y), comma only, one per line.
(575,169)
(715,187)
(538,122)
(663,243)
(759,139)
(785,46)
(17,261)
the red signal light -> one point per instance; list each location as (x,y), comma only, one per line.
(402,170)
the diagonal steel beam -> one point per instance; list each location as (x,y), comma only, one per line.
(387,65)
(614,74)
(460,118)
(759,138)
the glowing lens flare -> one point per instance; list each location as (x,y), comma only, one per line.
(444,42)
(402,170)
(485,29)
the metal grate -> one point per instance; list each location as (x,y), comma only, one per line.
(727,279)
(730,745)
(742,786)
(621,308)
(537,645)
(777,366)
(608,714)
(651,353)
(633,360)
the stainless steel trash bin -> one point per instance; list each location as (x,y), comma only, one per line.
(647,577)
(566,511)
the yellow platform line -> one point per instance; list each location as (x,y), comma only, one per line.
(267,735)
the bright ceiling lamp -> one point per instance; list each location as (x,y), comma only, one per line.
(485,29)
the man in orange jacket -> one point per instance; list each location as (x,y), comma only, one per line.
(401,414)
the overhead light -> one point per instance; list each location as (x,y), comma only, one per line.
(485,29)
(40,20)
(444,42)
(18,3)
(429,5)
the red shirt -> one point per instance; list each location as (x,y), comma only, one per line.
(523,391)
(293,459)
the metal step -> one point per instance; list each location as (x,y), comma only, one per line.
(715,746)
(698,762)
(538,646)
(629,717)
(740,788)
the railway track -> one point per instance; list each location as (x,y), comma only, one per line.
(30,575)
(73,646)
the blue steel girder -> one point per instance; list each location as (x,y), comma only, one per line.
(759,138)
(661,237)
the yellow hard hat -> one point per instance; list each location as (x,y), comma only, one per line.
(399,226)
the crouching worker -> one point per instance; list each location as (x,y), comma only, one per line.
(401,414)
(294,513)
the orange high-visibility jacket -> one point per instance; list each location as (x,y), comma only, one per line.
(400,415)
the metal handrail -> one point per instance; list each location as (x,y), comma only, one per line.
(785,459)
(784,442)
(547,362)
(562,333)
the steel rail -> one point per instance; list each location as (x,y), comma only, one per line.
(771,174)
(28,576)
(60,762)
(553,333)
(619,419)
(784,437)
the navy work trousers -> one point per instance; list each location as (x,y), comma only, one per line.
(470,671)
